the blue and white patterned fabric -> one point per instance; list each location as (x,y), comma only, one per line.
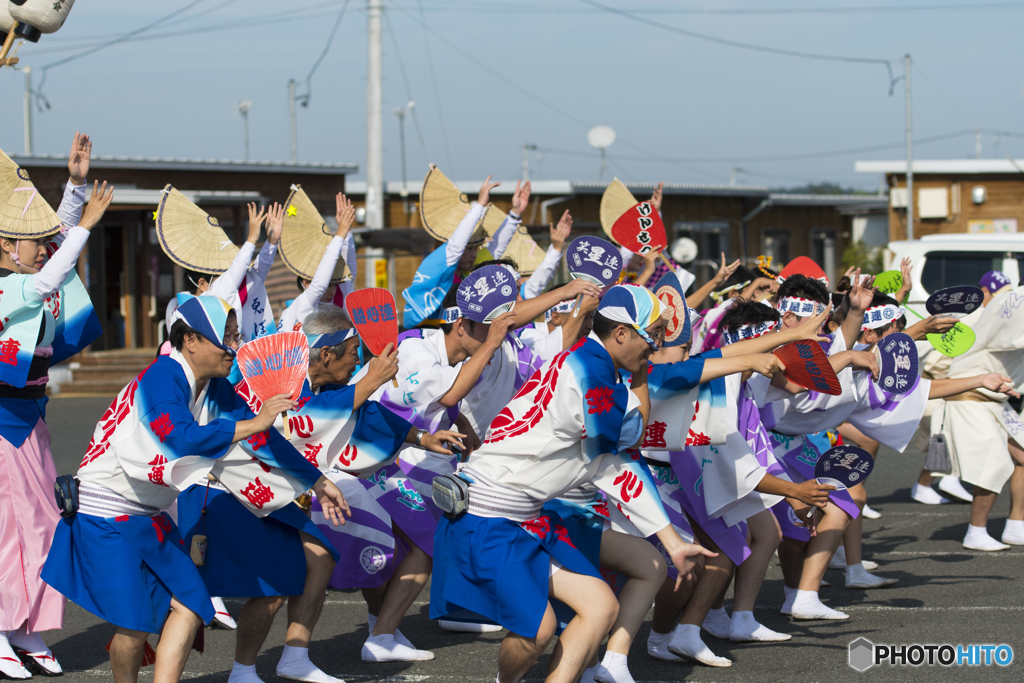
(632,305)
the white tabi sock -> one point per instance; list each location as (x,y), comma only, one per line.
(787,604)
(808,606)
(244,673)
(746,629)
(33,646)
(613,669)
(857,577)
(1013,532)
(295,664)
(927,495)
(686,643)
(717,623)
(384,648)
(221,616)
(657,646)
(977,538)
(371,621)
(10,665)
(588,675)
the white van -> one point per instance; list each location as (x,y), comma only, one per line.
(956,259)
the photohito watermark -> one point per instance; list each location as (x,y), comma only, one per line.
(864,654)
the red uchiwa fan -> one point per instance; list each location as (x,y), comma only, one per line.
(807,365)
(275,364)
(373,314)
(640,229)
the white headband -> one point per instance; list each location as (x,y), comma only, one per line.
(560,307)
(451,314)
(749,331)
(880,316)
(801,307)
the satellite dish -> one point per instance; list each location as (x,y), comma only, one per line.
(684,250)
(601,137)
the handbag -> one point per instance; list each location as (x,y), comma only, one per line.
(451,495)
(65,490)
(938,459)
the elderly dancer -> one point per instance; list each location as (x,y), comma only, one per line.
(503,562)
(119,556)
(48,317)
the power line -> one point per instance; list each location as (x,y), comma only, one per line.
(437,92)
(327,47)
(115,41)
(741,45)
(408,88)
(497,8)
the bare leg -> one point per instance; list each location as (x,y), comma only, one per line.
(765,537)
(175,643)
(374,598)
(821,547)
(304,610)
(717,571)
(254,624)
(853,533)
(791,557)
(925,479)
(596,610)
(981,506)
(1017,482)
(668,605)
(517,653)
(407,582)
(645,567)
(126,655)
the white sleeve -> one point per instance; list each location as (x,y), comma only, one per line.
(265,261)
(541,277)
(228,283)
(53,273)
(499,243)
(307,302)
(456,244)
(352,261)
(70,210)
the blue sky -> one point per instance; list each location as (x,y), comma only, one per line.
(666,95)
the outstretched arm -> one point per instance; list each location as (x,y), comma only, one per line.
(697,298)
(541,277)
(456,244)
(993,381)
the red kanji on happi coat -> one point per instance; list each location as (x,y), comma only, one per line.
(52,303)
(654,436)
(5,321)
(264,466)
(162,426)
(257,440)
(541,527)
(257,493)
(312,450)
(162,525)
(156,474)
(9,351)
(600,400)
(114,415)
(696,438)
(348,454)
(301,425)
(629,481)
(505,424)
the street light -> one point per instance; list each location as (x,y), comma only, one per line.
(400,113)
(243,109)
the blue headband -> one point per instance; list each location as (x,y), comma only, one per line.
(319,341)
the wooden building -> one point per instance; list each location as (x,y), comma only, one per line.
(981,196)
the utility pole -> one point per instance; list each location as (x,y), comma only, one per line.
(400,113)
(977,143)
(28,109)
(374,120)
(910,147)
(243,109)
(293,130)
(526,160)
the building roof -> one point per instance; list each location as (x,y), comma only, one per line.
(136,196)
(173,164)
(943,166)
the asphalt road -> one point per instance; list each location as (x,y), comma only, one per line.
(946,594)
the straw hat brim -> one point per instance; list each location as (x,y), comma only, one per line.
(304,238)
(615,201)
(191,237)
(443,206)
(24,214)
(527,254)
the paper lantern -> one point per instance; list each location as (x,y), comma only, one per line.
(36,17)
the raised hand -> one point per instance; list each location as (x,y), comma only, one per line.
(725,271)
(939,324)
(860,293)
(345,214)
(580,286)
(520,198)
(257,214)
(656,196)
(502,325)
(560,232)
(274,406)
(97,206)
(384,367)
(275,223)
(485,192)
(78,159)
(810,327)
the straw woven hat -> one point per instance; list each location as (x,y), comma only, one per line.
(191,237)
(305,237)
(442,208)
(527,253)
(24,214)
(615,201)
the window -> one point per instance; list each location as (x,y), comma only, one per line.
(775,243)
(947,268)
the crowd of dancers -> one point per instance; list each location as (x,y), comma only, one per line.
(548,478)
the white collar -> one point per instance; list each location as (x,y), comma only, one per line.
(439,343)
(196,400)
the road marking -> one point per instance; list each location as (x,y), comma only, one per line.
(952,553)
